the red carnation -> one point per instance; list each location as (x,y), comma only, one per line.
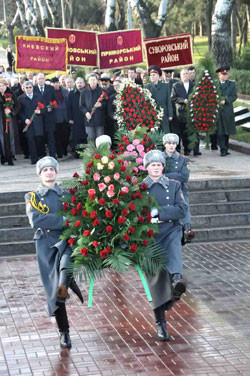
(108,250)
(71,241)
(85,182)
(91,193)
(109,229)
(85,213)
(79,206)
(95,243)
(123,168)
(116,201)
(96,222)
(149,217)
(65,206)
(73,200)
(108,214)
(138,194)
(126,237)
(125,212)
(101,201)
(150,233)
(86,233)
(90,164)
(87,170)
(128,177)
(144,187)
(97,156)
(133,247)
(140,219)
(131,229)
(73,211)
(93,214)
(71,191)
(112,156)
(121,219)
(131,206)
(84,251)
(77,223)
(67,223)
(103,253)
(75,175)
(145,242)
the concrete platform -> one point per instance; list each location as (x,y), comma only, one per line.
(210,165)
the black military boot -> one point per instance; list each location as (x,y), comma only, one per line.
(63,284)
(179,286)
(162,333)
(63,326)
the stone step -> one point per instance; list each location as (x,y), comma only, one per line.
(17,248)
(241,119)
(221,184)
(11,197)
(9,209)
(219,196)
(220,208)
(220,220)
(14,221)
(239,110)
(246,127)
(16,234)
(222,234)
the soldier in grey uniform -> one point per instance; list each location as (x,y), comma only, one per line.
(177,169)
(172,209)
(53,254)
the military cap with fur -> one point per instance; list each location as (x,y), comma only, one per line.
(170,137)
(154,156)
(46,162)
(104,139)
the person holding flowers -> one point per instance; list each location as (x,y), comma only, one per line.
(31,110)
(53,254)
(8,109)
(172,209)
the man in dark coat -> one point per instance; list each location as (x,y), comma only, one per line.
(78,133)
(113,126)
(226,122)
(180,92)
(161,94)
(53,254)
(93,106)
(164,287)
(48,93)
(34,129)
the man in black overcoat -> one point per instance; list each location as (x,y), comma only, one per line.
(48,94)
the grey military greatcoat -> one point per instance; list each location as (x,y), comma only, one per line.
(53,254)
(226,122)
(173,208)
(177,169)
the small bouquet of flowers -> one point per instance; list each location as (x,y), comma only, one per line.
(40,106)
(8,105)
(99,100)
(52,104)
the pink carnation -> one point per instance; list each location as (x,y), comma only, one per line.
(142,168)
(139,160)
(111,187)
(125,189)
(142,153)
(107,179)
(135,169)
(101,186)
(130,147)
(110,193)
(116,176)
(136,142)
(140,148)
(96,177)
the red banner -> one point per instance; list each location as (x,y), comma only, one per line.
(82,47)
(39,54)
(169,52)
(120,49)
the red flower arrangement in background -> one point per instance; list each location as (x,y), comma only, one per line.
(8,105)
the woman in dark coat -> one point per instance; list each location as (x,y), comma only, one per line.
(7,139)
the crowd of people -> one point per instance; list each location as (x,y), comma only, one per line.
(40,115)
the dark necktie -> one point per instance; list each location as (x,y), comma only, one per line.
(42,90)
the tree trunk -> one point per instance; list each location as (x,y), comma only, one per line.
(209,12)
(43,13)
(121,24)
(24,22)
(201,29)
(149,26)
(109,24)
(52,8)
(234,27)
(221,33)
